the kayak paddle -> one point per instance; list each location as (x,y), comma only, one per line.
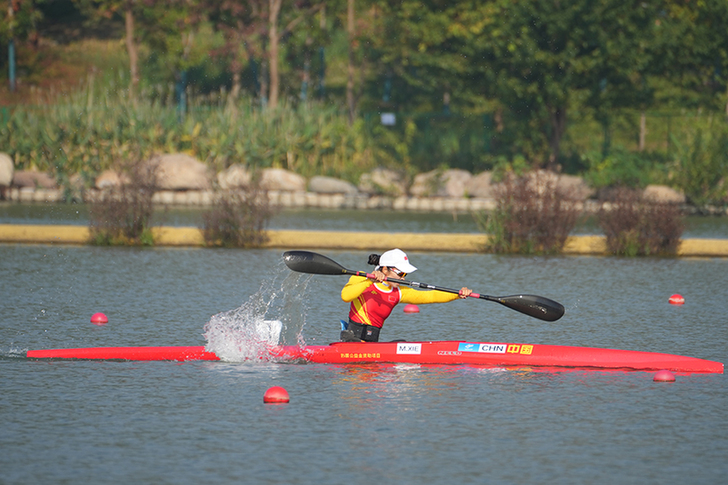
(535,306)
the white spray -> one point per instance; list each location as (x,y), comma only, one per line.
(274,315)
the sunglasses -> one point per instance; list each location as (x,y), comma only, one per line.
(400,274)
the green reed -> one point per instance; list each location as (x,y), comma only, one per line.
(91,129)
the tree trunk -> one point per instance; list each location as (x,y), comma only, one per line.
(235,90)
(322,55)
(558,127)
(11,50)
(643,131)
(306,69)
(350,70)
(131,49)
(263,76)
(498,118)
(275,8)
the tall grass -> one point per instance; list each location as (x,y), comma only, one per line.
(91,129)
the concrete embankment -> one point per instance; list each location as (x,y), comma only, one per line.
(285,239)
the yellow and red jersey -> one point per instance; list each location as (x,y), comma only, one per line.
(372,303)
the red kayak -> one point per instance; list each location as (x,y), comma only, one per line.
(441,352)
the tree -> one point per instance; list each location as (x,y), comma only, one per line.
(696,50)
(292,16)
(128,9)
(546,54)
(253,30)
(422,46)
(243,31)
(17,23)
(168,28)
(533,60)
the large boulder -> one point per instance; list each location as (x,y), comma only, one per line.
(540,180)
(236,175)
(448,183)
(31,178)
(383,181)
(663,194)
(569,186)
(330,185)
(283,180)
(179,171)
(6,170)
(480,186)
(110,179)
(574,186)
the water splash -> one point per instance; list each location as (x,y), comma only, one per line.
(274,315)
(13,353)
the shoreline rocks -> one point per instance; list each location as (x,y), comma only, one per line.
(312,200)
(185,181)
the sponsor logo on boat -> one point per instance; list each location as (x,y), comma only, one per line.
(362,355)
(520,349)
(449,352)
(483,348)
(408,348)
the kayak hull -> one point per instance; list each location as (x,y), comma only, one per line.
(439,352)
(178,353)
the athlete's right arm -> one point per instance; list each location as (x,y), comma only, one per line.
(354,288)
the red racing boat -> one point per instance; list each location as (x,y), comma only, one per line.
(440,352)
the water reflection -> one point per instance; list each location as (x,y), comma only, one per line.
(331,220)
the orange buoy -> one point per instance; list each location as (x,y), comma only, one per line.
(664,376)
(276,395)
(99,319)
(676,299)
(411,308)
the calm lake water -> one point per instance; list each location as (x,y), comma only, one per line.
(330,220)
(205,422)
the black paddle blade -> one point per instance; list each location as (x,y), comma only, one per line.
(533,305)
(313,263)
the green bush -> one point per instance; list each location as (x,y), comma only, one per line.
(702,164)
(620,168)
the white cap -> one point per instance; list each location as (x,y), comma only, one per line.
(398,259)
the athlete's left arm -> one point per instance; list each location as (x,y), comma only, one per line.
(410,295)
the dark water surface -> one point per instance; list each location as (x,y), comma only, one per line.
(205,422)
(330,220)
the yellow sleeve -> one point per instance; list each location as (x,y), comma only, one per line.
(410,295)
(354,288)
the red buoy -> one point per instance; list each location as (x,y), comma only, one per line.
(664,376)
(676,299)
(410,308)
(99,319)
(276,395)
